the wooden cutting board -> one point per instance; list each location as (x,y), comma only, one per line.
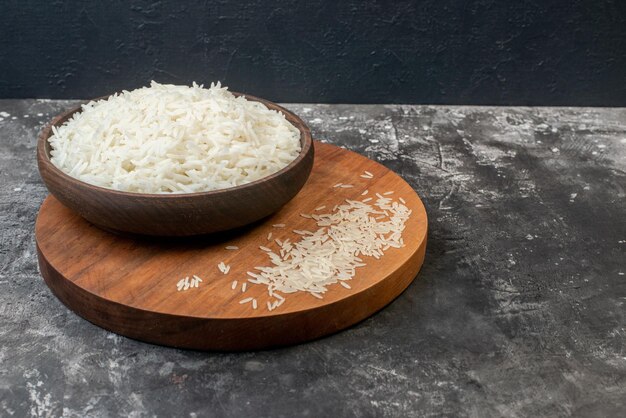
(128,285)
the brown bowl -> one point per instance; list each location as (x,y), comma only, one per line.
(179,214)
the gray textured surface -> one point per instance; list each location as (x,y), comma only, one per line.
(518,311)
(326,51)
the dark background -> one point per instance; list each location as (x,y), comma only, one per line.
(518,52)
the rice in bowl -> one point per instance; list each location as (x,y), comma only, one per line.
(174,139)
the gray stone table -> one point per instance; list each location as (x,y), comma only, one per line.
(519,310)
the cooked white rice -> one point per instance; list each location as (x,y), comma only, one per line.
(174,139)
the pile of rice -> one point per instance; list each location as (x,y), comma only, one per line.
(174,139)
(332,253)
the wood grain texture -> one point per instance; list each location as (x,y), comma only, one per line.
(178,214)
(128,285)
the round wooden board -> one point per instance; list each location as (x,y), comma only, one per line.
(128,284)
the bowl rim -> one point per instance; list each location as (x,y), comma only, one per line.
(43,155)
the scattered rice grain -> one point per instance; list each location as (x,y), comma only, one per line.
(332,253)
